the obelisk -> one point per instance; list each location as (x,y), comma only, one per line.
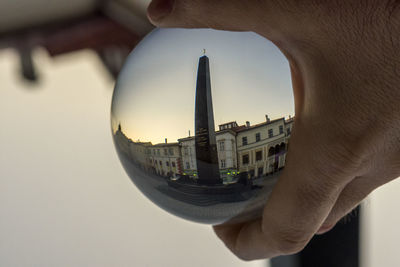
(205,141)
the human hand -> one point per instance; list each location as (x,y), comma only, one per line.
(345,63)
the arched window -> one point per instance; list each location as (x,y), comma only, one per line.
(271,151)
(283,146)
(277,149)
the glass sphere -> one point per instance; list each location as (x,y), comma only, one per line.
(201,121)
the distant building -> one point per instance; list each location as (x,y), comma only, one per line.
(227,156)
(165,159)
(289,126)
(188,155)
(230,126)
(122,142)
(226,149)
(214,157)
(262,148)
(140,154)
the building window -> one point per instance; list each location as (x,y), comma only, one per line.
(222,146)
(283,147)
(167,163)
(271,151)
(258,137)
(165,151)
(258,155)
(245,159)
(173,164)
(160,163)
(280,129)
(185,150)
(158,152)
(223,164)
(244,140)
(171,152)
(277,149)
(271,133)
(187,165)
(288,131)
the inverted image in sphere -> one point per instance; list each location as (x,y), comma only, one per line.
(201,121)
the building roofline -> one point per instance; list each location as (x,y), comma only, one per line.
(289,120)
(141,143)
(232,130)
(186,138)
(261,124)
(227,123)
(166,144)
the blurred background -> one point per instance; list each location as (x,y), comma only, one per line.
(64,197)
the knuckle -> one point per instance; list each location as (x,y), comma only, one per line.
(342,159)
(287,238)
(315,195)
(336,165)
(316,192)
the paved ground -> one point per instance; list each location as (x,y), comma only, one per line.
(200,208)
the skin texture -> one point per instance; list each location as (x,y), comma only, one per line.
(345,64)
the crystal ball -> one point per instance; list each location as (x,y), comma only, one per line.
(201,121)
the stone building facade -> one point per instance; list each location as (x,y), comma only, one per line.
(226,148)
(165,159)
(188,154)
(139,153)
(227,156)
(254,150)
(261,148)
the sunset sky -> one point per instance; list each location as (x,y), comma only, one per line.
(155,94)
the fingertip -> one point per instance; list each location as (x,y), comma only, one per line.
(325,228)
(225,231)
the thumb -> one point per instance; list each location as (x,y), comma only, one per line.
(236,15)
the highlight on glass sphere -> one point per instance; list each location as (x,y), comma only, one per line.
(201,121)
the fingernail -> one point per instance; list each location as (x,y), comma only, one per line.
(159,9)
(324,229)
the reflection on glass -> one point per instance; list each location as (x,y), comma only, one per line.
(217,175)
